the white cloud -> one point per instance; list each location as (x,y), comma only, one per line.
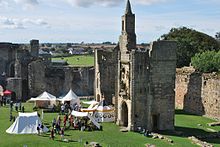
(4,4)
(110,3)
(27,4)
(10,23)
(149,2)
(88,3)
(38,22)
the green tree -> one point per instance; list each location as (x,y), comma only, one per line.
(217,36)
(190,42)
(208,61)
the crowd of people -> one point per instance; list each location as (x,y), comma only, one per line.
(66,121)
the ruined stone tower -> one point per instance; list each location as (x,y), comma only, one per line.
(34,48)
(144,80)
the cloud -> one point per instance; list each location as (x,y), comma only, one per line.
(110,3)
(149,2)
(27,4)
(10,23)
(4,4)
(88,3)
(38,22)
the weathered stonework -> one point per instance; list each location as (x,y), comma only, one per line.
(28,74)
(58,80)
(198,93)
(143,93)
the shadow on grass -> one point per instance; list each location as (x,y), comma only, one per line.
(215,141)
(188,132)
(179,111)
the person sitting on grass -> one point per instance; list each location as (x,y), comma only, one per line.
(52,134)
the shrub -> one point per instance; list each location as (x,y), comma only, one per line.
(208,61)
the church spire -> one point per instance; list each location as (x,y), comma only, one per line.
(128,8)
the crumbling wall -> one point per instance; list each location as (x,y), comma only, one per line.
(198,93)
(59,80)
(105,74)
(162,84)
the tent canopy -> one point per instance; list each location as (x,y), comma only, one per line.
(71,97)
(90,102)
(26,123)
(104,107)
(45,96)
(104,113)
(7,92)
(79,114)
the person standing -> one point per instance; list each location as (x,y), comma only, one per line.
(62,134)
(62,109)
(52,134)
(42,128)
(38,129)
(22,109)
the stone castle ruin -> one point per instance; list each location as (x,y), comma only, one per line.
(140,83)
(28,73)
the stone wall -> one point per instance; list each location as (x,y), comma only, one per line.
(198,93)
(162,84)
(105,73)
(59,80)
(15,85)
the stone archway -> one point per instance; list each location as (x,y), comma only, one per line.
(124,114)
(11,69)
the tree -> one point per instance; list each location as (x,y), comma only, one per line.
(217,36)
(190,42)
(208,61)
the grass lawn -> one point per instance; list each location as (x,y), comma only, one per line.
(78,60)
(109,137)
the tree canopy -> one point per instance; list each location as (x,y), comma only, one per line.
(208,61)
(190,42)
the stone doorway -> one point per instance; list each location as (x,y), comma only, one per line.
(124,115)
(12,70)
(155,119)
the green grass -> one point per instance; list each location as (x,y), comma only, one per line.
(78,60)
(109,137)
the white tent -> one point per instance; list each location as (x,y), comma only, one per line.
(91,108)
(90,102)
(70,97)
(26,123)
(45,100)
(104,113)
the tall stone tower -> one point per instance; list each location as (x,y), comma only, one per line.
(127,40)
(144,80)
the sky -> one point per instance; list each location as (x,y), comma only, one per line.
(98,21)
